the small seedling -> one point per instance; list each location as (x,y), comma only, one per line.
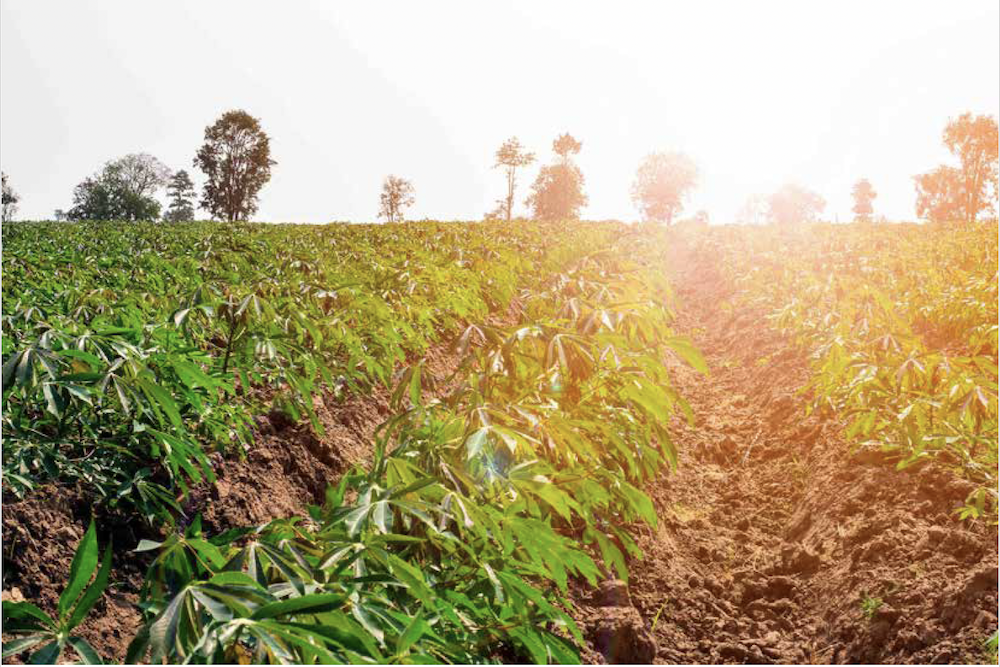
(869,606)
(991,649)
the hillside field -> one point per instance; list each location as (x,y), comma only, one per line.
(519,442)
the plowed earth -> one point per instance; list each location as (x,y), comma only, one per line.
(775,543)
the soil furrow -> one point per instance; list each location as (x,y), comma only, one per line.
(775,542)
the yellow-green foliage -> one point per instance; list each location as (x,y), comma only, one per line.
(901,324)
(482,500)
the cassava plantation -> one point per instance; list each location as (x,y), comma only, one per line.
(534,442)
(508,332)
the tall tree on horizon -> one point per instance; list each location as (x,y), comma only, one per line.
(510,157)
(236,159)
(962,194)
(864,194)
(10,200)
(973,140)
(181,195)
(793,203)
(557,193)
(940,195)
(397,194)
(661,184)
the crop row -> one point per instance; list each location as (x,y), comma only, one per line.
(130,350)
(458,542)
(901,325)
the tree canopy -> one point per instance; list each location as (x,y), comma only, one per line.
(967,192)
(793,204)
(863,194)
(124,189)
(973,140)
(180,193)
(397,195)
(10,200)
(939,195)
(557,193)
(236,159)
(662,183)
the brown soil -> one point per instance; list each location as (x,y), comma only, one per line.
(773,534)
(287,467)
(40,536)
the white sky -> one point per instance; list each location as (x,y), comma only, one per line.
(757,93)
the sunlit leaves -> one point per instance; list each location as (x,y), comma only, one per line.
(900,325)
(494,484)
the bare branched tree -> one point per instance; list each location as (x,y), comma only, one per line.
(397,194)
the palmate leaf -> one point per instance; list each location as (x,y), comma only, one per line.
(368,621)
(344,630)
(172,632)
(515,586)
(476,441)
(413,578)
(279,642)
(359,517)
(159,399)
(640,503)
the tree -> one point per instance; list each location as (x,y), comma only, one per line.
(557,193)
(864,194)
(236,159)
(10,200)
(754,211)
(565,145)
(510,156)
(973,140)
(180,193)
(141,174)
(792,204)
(124,189)
(940,195)
(397,194)
(661,184)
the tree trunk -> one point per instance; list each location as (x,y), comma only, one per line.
(510,191)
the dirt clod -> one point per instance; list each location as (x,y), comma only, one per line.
(620,635)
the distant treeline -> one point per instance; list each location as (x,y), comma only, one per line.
(235,159)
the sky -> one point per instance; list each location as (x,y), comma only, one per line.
(756,93)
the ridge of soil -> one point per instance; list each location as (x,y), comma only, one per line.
(776,542)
